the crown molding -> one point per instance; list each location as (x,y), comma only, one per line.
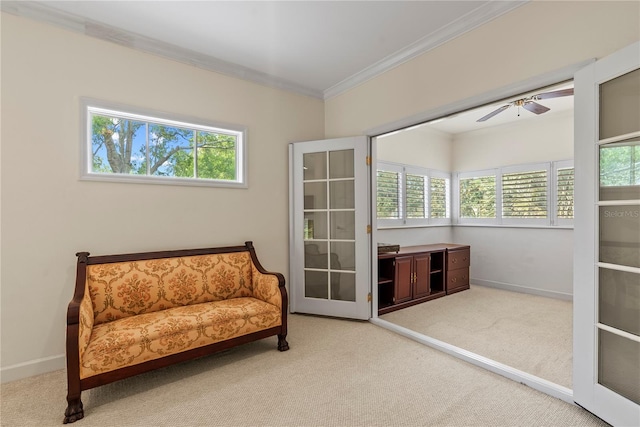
(464,24)
(39,11)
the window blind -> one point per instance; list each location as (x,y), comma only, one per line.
(416,196)
(524,194)
(564,198)
(389,195)
(439,197)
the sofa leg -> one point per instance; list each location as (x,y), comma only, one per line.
(74,411)
(283,345)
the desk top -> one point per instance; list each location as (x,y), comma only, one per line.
(408,250)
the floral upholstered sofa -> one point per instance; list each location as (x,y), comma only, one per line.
(134,313)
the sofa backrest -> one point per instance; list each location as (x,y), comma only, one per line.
(123,289)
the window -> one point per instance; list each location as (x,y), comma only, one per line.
(564,175)
(439,200)
(416,196)
(411,195)
(477,196)
(123,144)
(539,194)
(524,194)
(389,197)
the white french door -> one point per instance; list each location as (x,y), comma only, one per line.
(606,361)
(329,219)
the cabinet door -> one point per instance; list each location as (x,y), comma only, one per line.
(421,275)
(403,279)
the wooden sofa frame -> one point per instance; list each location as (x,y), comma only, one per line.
(76,385)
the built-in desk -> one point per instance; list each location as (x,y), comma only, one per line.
(416,274)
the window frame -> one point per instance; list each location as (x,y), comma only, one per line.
(89,106)
(552,219)
(399,169)
(471,175)
(555,166)
(448,203)
(523,169)
(403,221)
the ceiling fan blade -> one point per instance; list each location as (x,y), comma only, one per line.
(493,113)
(555,94)
(536,108)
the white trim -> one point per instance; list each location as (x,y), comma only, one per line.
(631,202)
(624,137)
(521,377)
(32,368)
(603,402)
(522,289)
(619,332)
(41,12)
(480,16)
(514,89)
(619,267)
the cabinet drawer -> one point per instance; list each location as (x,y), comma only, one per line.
(458,259)
(457,278)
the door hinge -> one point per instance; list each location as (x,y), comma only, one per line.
(369,297)
(368,160)
(368,229)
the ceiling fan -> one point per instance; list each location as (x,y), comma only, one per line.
(529,103)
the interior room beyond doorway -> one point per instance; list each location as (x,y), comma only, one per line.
(514,252)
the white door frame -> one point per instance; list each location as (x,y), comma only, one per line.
(587,392)
(547,79)
(361,308)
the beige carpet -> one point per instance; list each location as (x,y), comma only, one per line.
(531,333)
(337,373)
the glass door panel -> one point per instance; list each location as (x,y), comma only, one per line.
(334,247)
(619,106)
(618,280)
(329,177)
(620,235)
(620,170)
(619,300)
(341,164)
(315,165)
(619,365)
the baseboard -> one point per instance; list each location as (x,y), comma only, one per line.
(522,289)
(31,368)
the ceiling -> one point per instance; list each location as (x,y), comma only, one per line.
(317,48)
(467,121)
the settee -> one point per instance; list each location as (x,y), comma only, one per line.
(133,313)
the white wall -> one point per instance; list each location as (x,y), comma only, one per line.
(424,147)
(48,214)
(540,139)
(414,236)
(497,55)
(533,260)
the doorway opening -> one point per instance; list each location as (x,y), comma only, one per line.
(498,178)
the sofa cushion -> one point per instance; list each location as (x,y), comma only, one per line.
(136,339)
(123,289)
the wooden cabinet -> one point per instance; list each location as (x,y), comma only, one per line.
(458,261)
(417,274)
